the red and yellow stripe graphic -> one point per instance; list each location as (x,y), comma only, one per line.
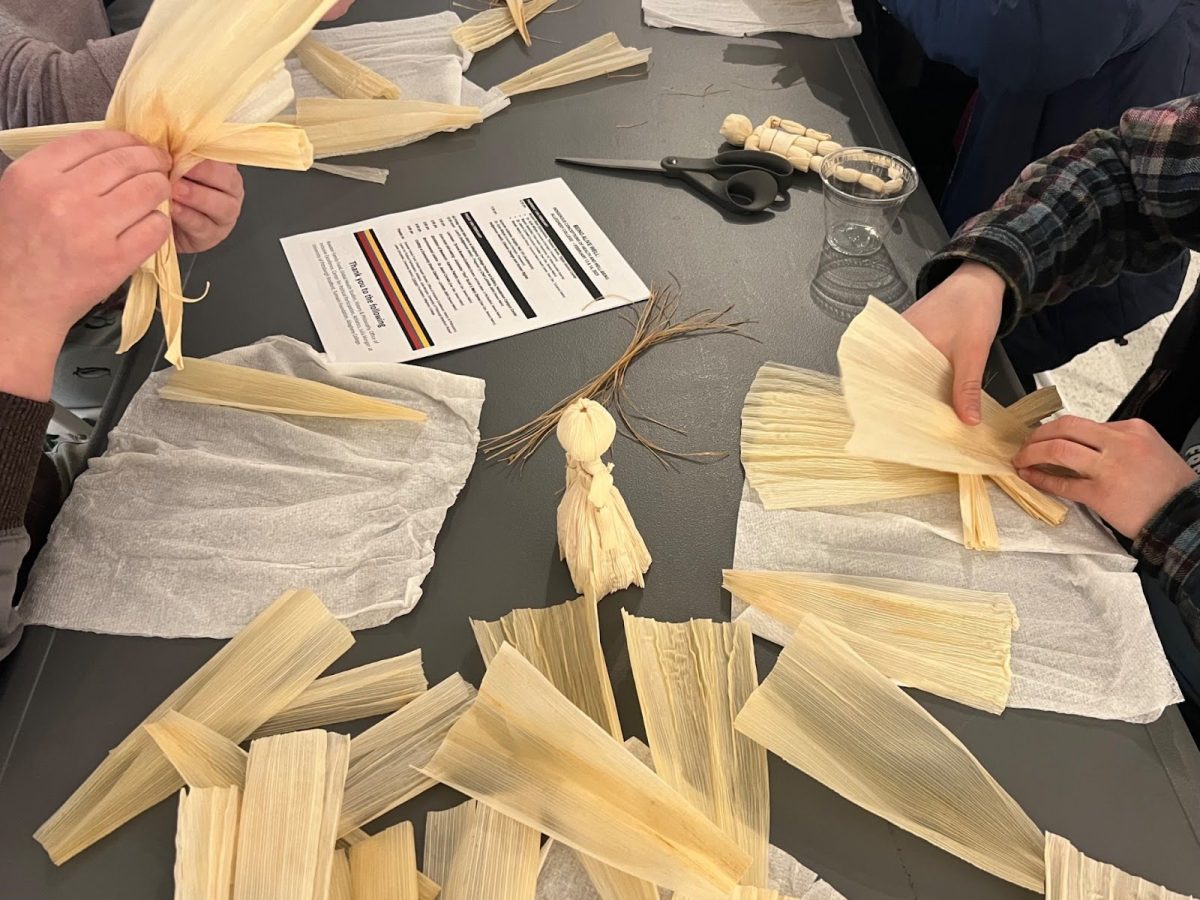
(414,329)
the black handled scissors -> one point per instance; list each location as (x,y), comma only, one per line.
(740,181)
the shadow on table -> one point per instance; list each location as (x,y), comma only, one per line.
(842,283)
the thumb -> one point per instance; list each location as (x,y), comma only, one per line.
(968,382)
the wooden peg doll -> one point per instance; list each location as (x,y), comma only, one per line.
(596,534)
(805,148)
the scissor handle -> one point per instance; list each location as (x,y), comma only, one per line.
(745,191)
(732,161)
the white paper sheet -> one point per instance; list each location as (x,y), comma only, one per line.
(196,517)
(413,284)
(1086,644)
(737,18)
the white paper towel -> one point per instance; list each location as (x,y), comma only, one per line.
(418,55)
(198,516)
(562,876)
(737,18)
(1086,644)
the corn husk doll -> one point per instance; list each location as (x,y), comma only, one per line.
(596,534)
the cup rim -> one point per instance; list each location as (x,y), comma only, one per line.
(904,195)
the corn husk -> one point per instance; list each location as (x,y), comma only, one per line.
(342,127)
(1041,404)
(527,751)
(1072,876)
(692,679)
(343,76)
(16,142)
(1042,507)
(249,680)
(951,642)
(372,174)
(979,522)
(563,643)
(516,8)
(827,712)
(597,57)
(205,841)
(427,888)
(795,426)
(491,26)
(756,893)
(221,384)
(340,886)
(376,689)
(290,810)
(477,853)
(384,759)
(202,757)
(384,867)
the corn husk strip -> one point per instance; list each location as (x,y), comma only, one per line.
(290,809)
(356,173)
(827,712)
(597,57)
(756,893)
(249,680)
(1041,404)
(1041,506)
(527,751)
(205,840)
(951,642)
(795,426)
(563,643)
(898,387)
(340,886)
(692,679)
(384,759)
(221,384)
(384,867)
(268,145)
(979,522)
(491,26)
(342,127)
(1072,876)
(202,757)
(16,142)
(477,853)
(345,77)
(376,689)
(427,888)
(516,8)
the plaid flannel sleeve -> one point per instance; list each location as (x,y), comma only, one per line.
(1126,200)
(1170,546)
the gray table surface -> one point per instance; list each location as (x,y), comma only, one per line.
(1121,792)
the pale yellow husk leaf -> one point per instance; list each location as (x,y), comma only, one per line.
(827,712)
(527,751)
(951,642)
(979,522)
(1072,876)
(384,867)
(249,680)
(342,127)
(345,77)
(220,384)
(202,757)
(491,26)
(205,842)
(692,679)
(597,57)
(477,853)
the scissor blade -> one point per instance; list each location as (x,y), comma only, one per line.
(630,165)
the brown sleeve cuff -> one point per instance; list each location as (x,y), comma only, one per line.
(22,428)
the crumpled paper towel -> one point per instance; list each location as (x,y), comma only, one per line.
(738,18)
(562,876)
(1086,644)
(199,516)
(418,55)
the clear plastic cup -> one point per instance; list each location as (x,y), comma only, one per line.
(864,190)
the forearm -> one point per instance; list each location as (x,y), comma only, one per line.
(43,85)
(1123,200)
(1169,546)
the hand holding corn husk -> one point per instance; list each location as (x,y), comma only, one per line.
(596,534)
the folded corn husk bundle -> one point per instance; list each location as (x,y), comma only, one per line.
(342,127)
(493,25)
(597,57)
(183,103)
(345,77)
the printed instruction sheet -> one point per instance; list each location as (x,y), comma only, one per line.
(412,284)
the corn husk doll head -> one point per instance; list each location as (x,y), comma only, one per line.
(596,534)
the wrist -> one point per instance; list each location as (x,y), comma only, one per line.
(28,353)
(984,279)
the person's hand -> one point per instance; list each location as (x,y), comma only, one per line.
(339,9)
(205,205)
(961,317)
(77,217)
(1124,471)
